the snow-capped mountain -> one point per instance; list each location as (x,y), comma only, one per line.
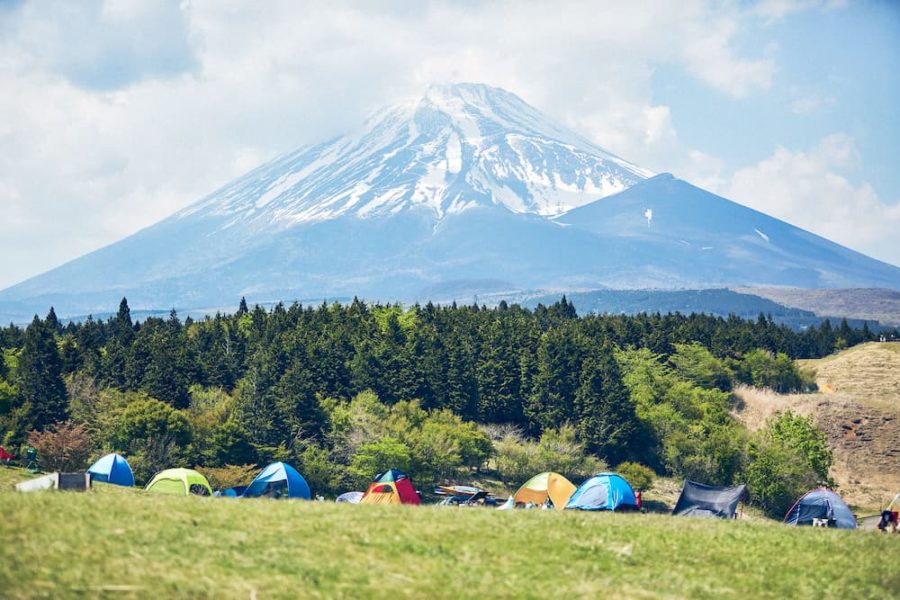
(463,191)
(454,148)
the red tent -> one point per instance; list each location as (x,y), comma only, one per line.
(4,455)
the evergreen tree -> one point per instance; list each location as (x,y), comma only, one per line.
(39,377)
(52,322)
(497,374)
(607,422)
(122,327)
(556,379)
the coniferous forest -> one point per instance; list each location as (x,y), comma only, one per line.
(444,392)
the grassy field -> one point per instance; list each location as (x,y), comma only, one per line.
(98,544)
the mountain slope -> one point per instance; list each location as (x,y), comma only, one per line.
(465,190)
(711,240)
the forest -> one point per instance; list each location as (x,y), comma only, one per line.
(443,392)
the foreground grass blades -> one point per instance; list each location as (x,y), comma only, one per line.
(59,544)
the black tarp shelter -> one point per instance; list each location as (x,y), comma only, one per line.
(700,500)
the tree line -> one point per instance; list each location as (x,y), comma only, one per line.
(272,383)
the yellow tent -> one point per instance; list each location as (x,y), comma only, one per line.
(543,486)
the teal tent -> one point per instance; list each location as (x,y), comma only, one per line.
(278,480)
(603,491)
(114,469)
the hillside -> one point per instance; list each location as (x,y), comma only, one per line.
(138,545)
(873,304)
(719,302)
(858,408)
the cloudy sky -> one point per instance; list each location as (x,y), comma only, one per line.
(115,114)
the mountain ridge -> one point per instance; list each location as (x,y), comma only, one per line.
(465,190)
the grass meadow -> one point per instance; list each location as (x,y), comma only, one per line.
(113,542)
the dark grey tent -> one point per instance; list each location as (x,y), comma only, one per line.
(699,500)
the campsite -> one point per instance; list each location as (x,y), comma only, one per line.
(120,541)
(415,498)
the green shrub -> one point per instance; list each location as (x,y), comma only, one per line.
(229,476)
(639,476)
(375,457)
(787,458)
(763,369)
(694,363)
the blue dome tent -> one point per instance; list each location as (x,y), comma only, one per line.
(114,469)
(821,504)
(604,491)
(278,480)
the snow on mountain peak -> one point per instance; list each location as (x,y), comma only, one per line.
(455,147)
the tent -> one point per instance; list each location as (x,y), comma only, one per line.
(350,497)
(391,487)
(542,487)
(4,455)
(820,504)
(179,482)
(114,469)
(232,492)
(700,500)
(508,505)
(278,480)
(603,491)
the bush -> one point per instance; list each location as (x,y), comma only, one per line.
(787,458)
(150,419)
(321,472)
(375,457)
(517,460)
(763,369)
(229,476)
(639,476)
(62,447)
(694,363)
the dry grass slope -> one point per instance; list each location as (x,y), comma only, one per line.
(858,408)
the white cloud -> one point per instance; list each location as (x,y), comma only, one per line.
(813,189)
(775,10)
(118,113)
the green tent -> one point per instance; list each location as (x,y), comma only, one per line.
(179,482)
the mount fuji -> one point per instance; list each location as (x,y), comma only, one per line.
(465,190)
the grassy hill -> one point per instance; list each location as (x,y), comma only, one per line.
(98,544)
(858,408)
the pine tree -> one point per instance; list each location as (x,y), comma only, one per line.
(607,422)
(122,327)
(556,379)
(39,377)
(242,308)
(52,322)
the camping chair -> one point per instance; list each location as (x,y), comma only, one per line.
(31,460)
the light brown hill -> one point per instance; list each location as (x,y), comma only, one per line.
(858,408)
(876,304)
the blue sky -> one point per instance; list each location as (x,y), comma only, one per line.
(116,114)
